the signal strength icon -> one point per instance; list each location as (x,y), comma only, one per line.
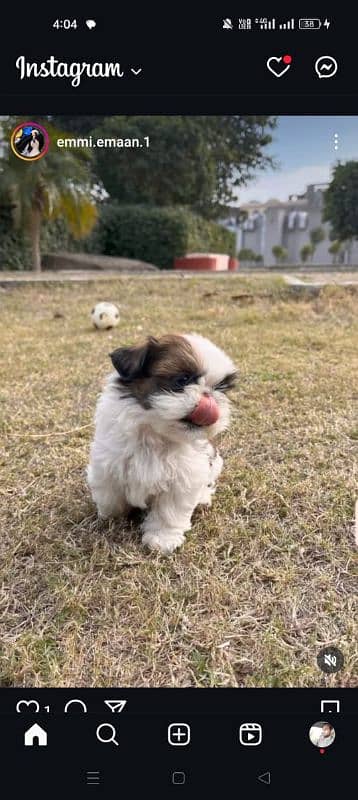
(266,24)
(287,26)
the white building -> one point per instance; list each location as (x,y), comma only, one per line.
(288,224)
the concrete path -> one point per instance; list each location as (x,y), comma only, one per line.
(305,281)
(314,286)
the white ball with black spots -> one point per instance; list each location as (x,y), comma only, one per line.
(105,316)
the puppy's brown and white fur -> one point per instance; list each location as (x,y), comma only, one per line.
(154,424)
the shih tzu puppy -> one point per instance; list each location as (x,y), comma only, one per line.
(155,422)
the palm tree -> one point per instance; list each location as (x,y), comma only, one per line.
(59,185)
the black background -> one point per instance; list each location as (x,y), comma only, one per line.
(214,762)
(190,64)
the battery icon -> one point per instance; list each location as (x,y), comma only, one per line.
(309,24)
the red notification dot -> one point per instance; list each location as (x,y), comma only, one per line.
(287,59)
(322,751)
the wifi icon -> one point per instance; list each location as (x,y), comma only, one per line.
(116,706)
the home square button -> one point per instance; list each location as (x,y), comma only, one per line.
(178,777)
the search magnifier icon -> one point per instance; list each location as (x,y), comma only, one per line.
(106,733)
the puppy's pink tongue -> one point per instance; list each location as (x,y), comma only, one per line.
(206,412)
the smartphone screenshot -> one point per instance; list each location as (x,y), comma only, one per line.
(178,398)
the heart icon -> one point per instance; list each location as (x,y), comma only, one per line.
(278,65)
(90,23)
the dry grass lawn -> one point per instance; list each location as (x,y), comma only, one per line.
(266,577)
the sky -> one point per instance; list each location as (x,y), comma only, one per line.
(304,148)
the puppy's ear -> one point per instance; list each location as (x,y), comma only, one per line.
(133,362)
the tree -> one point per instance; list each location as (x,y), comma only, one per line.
(341,202)
(335,250)
(306,252)
(81,125)
(190,161)
(279,253)
(246,254)
(56,186)
(317,235)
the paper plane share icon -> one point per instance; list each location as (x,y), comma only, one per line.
(116,705)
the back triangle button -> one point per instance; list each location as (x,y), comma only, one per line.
(265,778)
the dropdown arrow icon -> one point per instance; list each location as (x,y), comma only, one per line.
(136,71)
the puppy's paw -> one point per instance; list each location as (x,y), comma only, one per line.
(206,496)
(164,541)
(108,512)
(103,513)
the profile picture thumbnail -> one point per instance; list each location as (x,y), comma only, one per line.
(29,141)
(322,734)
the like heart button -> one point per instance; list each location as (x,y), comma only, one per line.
(279,65)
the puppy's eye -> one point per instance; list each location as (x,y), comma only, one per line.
(181,381)
(227,383)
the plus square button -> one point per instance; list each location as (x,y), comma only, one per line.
(179,734)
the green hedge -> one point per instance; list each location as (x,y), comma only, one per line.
(156,235)
(15,251)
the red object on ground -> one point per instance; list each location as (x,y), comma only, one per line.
(208,262)
(206,412)
(234,264)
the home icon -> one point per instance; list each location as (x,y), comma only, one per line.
(35,736)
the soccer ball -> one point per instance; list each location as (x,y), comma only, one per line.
(105,316)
